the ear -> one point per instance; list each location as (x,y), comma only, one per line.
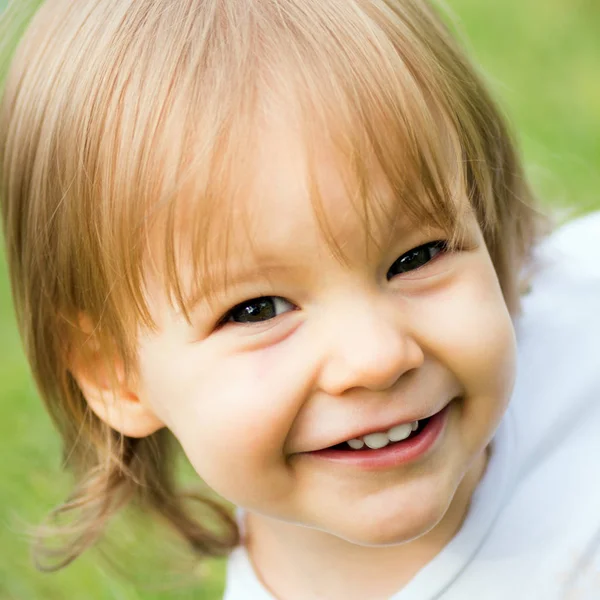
(110,393)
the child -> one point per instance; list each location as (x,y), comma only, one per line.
(289,234)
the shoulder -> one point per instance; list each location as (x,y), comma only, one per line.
(558,332)
(564,296)
(552,519)
(586,229)
(572,251)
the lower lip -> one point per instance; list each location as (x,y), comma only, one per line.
(394,455)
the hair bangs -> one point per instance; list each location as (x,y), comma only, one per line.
(366,101)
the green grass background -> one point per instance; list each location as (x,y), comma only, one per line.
(542,57)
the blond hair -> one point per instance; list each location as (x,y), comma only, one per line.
(116,110)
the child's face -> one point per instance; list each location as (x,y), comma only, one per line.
(338,349)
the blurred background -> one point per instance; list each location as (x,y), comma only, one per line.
(542,58)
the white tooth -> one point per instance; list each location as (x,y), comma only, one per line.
(376,440)
(414,425)
(355,444)
(400,432)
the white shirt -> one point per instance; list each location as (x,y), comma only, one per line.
(533,529)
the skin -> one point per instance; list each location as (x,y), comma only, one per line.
(356,343)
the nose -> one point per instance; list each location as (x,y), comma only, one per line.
(370,347)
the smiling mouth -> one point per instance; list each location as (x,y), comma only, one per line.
(392,437)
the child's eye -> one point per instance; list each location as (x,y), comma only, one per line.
(416,258)
(258,310)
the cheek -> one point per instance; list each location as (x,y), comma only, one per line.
(231,414)
(470,330)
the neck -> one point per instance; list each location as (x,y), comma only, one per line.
(299,563)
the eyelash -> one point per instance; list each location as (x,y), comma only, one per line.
(438,247)
(434,249)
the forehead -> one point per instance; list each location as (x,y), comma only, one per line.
(299,195)
(294,169)
(299,189)
(299,165)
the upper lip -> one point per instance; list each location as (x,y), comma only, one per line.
(382,428)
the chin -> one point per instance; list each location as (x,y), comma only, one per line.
(392,525)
